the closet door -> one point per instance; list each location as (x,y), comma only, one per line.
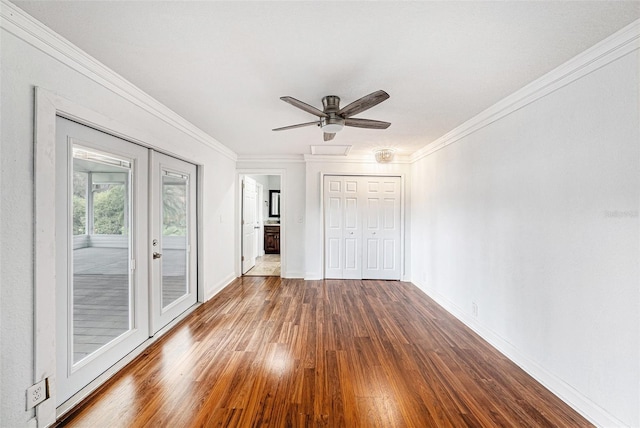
(362,227)
(333,226)
(101,267)
(352,228)
(343,228)
(381,236)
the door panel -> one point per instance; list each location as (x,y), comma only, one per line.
(101,278)
(389,254)
(333,250)
(334,243)
(383,228)
(371,252)
(173,238)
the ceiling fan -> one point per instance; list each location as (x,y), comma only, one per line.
(333,118)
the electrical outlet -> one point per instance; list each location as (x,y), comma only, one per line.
(474,309)
(36,394)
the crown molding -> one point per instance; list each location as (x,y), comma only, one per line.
(361,159)
(608,50)
(25,27)
(271,158)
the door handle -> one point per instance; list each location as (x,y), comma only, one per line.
(256,227)
(156,255)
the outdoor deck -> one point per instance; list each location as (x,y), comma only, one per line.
(101,294)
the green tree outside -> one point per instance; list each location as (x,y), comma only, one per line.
(108,211)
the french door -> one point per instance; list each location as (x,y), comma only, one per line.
(111,294)
(362,227)
(173,238)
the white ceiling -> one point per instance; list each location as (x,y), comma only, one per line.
(224,65)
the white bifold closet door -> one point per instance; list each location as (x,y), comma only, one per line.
(362,227)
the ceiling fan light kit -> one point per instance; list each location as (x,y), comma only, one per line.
(331,125)
(332,118)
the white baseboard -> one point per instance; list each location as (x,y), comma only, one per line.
(583,405)
(219,286)
(293,274)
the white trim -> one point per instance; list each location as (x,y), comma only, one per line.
(19,23)
(220,285)
(278,159)
(610,49)
(295,275)
(587,408)
(44,313)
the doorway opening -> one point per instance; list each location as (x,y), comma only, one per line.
(261,226)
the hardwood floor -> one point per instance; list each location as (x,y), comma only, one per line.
(271,352)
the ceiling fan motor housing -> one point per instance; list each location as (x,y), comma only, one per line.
(332,123)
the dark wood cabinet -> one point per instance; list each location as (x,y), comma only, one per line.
(272,239)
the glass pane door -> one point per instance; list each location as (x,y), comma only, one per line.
(173,238)
(101,283)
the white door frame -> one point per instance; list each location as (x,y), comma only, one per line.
(240,173)
(48,105)
(402,213)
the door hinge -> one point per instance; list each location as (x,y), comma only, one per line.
(242,258)
(133,264)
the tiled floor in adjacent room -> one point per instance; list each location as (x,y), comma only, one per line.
(267,265)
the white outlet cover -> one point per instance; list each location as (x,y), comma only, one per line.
(36,394)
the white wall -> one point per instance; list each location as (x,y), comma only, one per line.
(23,68)
(314,237)
(274,183)
(534,217)
(292,201)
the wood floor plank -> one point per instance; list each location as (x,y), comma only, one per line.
(272,352)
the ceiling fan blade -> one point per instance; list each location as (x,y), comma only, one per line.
(328,136)
(300,125)
(363,104)
(366,123)
(304,106)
